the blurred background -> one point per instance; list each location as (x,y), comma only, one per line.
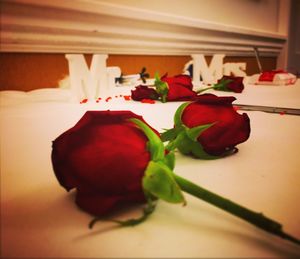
(158,34)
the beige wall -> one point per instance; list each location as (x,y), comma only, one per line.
(158,27)
(253,14)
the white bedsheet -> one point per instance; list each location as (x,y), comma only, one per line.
(39,218)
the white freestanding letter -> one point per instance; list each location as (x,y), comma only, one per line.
(210,74)
(88,83)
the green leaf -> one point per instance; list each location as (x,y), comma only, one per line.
(186,142)
(172,145)
(195,132)
(155,145)
(159,181)
(178,114)
(169,160)
(162,88)
(197,151)
(187,146)
(170,134)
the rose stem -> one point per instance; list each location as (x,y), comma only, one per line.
(204,89)
(257,219)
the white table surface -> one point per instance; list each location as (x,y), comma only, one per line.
(39,218)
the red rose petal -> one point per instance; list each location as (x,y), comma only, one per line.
(84,101)
(148,101)
(127,97)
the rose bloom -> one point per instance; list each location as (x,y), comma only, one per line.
(142,92)
(104,157)
(229,129)
(236,85)
(180,88)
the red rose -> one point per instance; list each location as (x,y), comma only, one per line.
(104,157)
(142,92)
(180,88)
(208,127)
(177,88)
(113,158)
(230,83)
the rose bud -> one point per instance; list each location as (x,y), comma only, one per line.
(177,88)
(108,156)
(230,84)
(142,92)
(227,84)
(208,128)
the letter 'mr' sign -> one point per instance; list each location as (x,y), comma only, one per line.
(91,82)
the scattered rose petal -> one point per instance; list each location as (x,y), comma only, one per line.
(84,101)
(127,97)
(148,101)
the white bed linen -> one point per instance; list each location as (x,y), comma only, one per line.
(39,218)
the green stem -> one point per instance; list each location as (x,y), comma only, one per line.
(257,219)
(204,89)
(164,98)
(147,211)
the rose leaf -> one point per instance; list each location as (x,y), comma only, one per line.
(159,181)
(195,132)
(169,160)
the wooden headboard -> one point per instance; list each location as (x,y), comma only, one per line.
(28,71)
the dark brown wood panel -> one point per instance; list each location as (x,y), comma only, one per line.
(28,71)
(31,71)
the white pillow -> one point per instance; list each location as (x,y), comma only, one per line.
(12,97)
(51,95)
